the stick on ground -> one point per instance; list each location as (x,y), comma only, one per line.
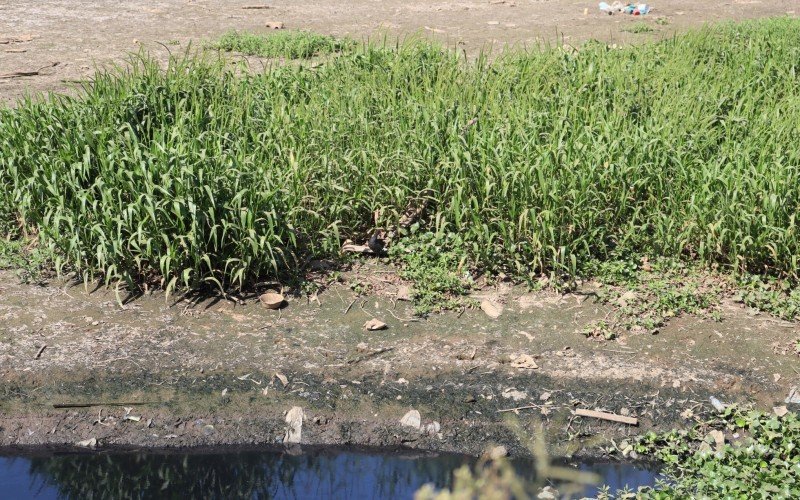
(612,417)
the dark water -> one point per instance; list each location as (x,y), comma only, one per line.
(317,473)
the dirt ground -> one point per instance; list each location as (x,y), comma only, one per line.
(71,37)
(217,372)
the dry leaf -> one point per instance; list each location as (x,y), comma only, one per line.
(780,411)
(404,292)
(282,378)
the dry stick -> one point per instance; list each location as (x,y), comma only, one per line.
(612,417)
(19,74)
(41,350)
(89,405)
(254,7)
(351,305)
(370,355)
(518,408)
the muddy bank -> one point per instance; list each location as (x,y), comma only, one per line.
(181,372)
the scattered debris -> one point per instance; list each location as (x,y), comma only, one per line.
(433,428)
(23,73)
(717,404)
(88,443)
(404,292)
(612,417)
(631,8)
(491,309)
(273,300)
(523,361)
(16,39)
(294,430)
(512,393)
(411,419)
(548,493)
(718,437)
(349,247)
(284,380)
(780,411)
(516,410)
(374,325)
(128,416)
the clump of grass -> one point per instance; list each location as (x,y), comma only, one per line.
(540,162)
(639,28)
(287,44)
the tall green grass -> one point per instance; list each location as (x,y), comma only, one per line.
(541,161)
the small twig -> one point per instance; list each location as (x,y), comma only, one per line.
(370,355)
(347,310)
(404,320)
(612,417)
(519,408)
(41,350)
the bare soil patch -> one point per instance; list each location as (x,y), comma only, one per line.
(239,368)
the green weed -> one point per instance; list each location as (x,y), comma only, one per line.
(759,458)
(639,28)
(438,267)
(287,44)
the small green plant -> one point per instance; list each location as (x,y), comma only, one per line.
(438,266)
(646,294)
(287,44)
(31,262)
(639,28)
(777,297)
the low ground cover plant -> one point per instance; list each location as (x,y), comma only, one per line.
(542,162)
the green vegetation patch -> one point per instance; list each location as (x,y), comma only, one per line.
(738,454)
(287,44)
(639,28)
(540,162)
(438,266)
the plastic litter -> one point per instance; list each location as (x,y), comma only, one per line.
(632,9)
